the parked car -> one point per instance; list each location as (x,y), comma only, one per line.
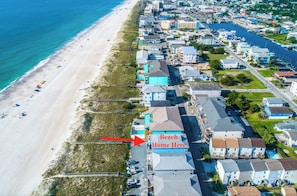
(132,181)
(132,186)
(132,162)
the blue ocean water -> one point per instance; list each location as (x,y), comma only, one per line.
(32,30)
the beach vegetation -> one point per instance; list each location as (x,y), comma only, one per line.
(104,112)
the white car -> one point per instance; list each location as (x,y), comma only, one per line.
(132,181)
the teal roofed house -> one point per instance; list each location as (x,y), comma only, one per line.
(156,73)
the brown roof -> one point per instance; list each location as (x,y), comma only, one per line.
(218,143)
(288,163)
(288,190)
(258,142)
(244,191)
(231,143)
(283,110)
(284,74)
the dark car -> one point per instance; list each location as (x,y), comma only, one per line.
(132,186)
(132,162)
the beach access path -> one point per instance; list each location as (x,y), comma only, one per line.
(36,120)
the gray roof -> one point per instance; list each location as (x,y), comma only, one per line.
(229,165)
(204,86)
(244,143)
(244,165)
(287,125)
(258,164)
(154,88)
(293,135)
(176,183)
(171,161)
(158,68)
(189,50)
(273,165)
(141,57)
(274,100)
(218,120)
(165,118)
(228,61)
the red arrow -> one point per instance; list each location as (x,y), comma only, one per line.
(136,140)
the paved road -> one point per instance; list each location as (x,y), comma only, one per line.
(277,92)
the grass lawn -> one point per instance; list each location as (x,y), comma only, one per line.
(216,56)
(256,97)
(280,38)
(254,84)
(267,73)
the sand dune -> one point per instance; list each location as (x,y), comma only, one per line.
(33,125)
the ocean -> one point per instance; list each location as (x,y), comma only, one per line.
(33,30)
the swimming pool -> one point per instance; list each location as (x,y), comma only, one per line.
(272,154)
(140,77)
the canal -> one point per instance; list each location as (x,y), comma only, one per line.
(289,56)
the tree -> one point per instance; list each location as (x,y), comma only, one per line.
(215,64)
(232,97)
(243,78)
(255,108)
(228,80)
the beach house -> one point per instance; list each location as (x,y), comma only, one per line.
(153,94)
(163,120)
(168,143)
(243,191)
(260,172)
(229,64)
(204,89)
(290,170)
(156,73)
(259,148)
(188,54)
(217,148)
(245,171)
(232,148)
(212,115)
(275,170)
(189,73)
(228,171)
(245,148)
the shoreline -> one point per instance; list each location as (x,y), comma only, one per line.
(54,54)
(30,142)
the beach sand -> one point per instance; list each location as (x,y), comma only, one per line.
(34,125)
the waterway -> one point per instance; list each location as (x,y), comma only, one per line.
(289,56)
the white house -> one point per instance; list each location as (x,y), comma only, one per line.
(245,171)
(259,148)
(141,57)
(293,88)
(232,148)
(217,148)
(260,171)
(204,89)
(275,170)
(273,102)
(290,170)
(260,56)
(242,48)
(245,148)
(153,93)
(189,73)
(188,54)
(229,64)
(227,35)
(228,171)
(291,138)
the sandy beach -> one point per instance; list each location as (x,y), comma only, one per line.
(34,125)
